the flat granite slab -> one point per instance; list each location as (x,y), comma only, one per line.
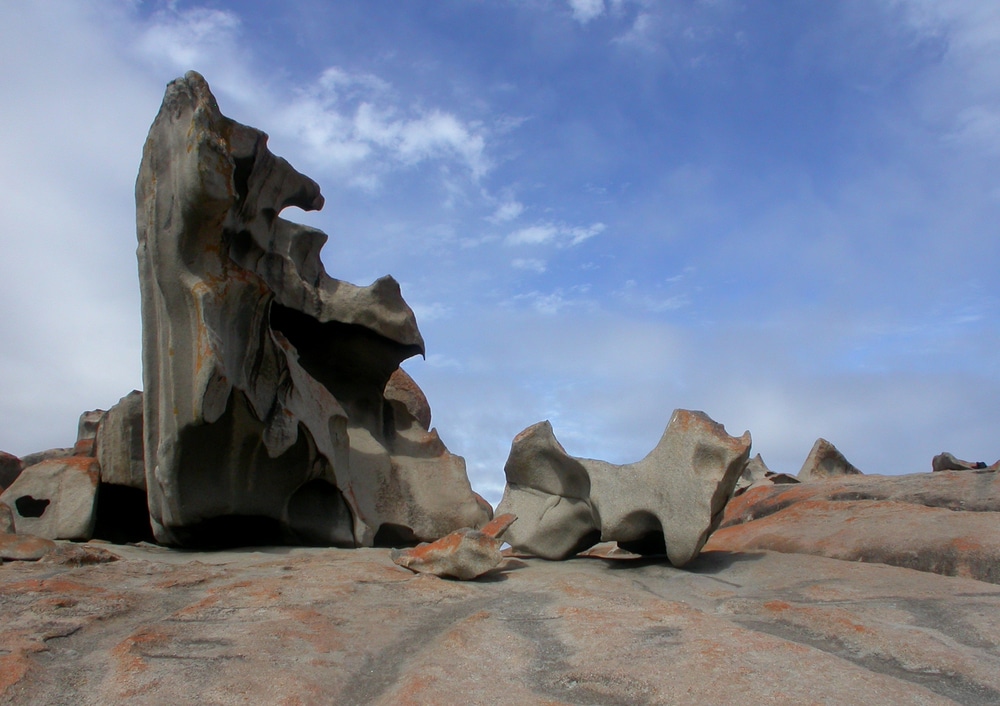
(347,626)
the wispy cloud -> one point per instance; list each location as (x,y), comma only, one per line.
(560,235)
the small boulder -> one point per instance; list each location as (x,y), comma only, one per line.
(947,462)
(55,499)
(15,547)
(10,469)
(825,461)
(464,554)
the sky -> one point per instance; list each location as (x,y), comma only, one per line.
(784,214)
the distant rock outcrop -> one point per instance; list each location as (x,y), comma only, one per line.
(667,503)
(946,522)
(265,405)
(825,461)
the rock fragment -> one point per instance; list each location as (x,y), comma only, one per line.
(464,554)
(667,503)
(825,461)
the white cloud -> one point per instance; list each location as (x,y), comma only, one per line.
(549,233)
(507,211)
(586,10)
(533,235)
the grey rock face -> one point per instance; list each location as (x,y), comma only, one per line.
(119,443)
(669,502)
(264,379)
(825,461)
(55,499)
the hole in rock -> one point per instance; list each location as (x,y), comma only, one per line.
(393,535)
(28,506)
(652,544)
(122,515)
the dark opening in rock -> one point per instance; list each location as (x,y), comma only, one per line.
(28,506)
(122,515)
(392,535)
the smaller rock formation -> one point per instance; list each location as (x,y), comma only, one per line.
(10,469)
(119,444)
(947,462)
(825,461)
(86,432)
(667,503)
(6,519)
(757,474)
(464,554)
(55,499)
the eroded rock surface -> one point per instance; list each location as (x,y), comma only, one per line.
(946,522)
(667,503)
(335,626)
(265,405)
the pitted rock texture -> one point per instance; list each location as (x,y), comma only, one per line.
(265,413)
(825,461)
(946,522)
(55,499)
(667,503)
(335,626)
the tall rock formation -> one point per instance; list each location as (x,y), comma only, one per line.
(266,416)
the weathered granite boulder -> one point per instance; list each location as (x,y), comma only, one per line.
(948,462)
(826,461)
(464,554)
(10,469)
(667,503)
(266,416)
(119,443)
(55,499)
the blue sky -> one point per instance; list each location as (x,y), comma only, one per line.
(784,214)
